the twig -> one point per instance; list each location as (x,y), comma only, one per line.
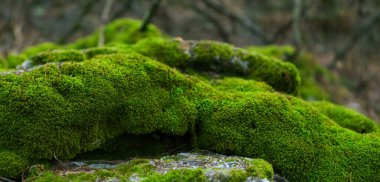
(364,27)
(56,158)
(296,27)
(5,179)
(219,27)
(103,21)
(148,17)
(86,8)
(246,23)
(125,6)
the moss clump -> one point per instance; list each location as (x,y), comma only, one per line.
(58,56)
(164,50)
(346,117)
(178,175)
(76,107)
(260,168)
(300,143)
(12,60)
(232,84)
(11,164)
(223,59)
(125,31)
(281,52)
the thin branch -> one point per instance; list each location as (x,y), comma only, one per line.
(364,27)
(5,179)
(296,27)
(148,17)
(246,23)
(103,22)
(85,9)
(126,5)
(219,27)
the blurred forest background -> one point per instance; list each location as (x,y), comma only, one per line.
(340,35)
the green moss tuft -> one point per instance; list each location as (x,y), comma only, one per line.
(125,31)
(260,168)
(346,117)
(178,175)
(11,164)
(281,52)
(141,167)
(58,56)
(223,59)
(92,52)
(234,84)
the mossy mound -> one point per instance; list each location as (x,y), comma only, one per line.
(64,109)
(75,107)
(300,143)
(77,101)
(347,118)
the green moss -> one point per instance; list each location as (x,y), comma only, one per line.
(315,78)
(178,175)
(260,168)
(234,84)
(140,167)
(164,50)
(41,47)
(48,177)
(281,52)
(223,59)
(300,143)
(12,60)
(89,102)
(238,175)
(11,164)
(92,52)
(346,117)
(63,110)
(58,56)
(125,31)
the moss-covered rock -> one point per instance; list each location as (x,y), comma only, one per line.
(222,58)
(347,118)
(185,167)
(300,143)
(61,110)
